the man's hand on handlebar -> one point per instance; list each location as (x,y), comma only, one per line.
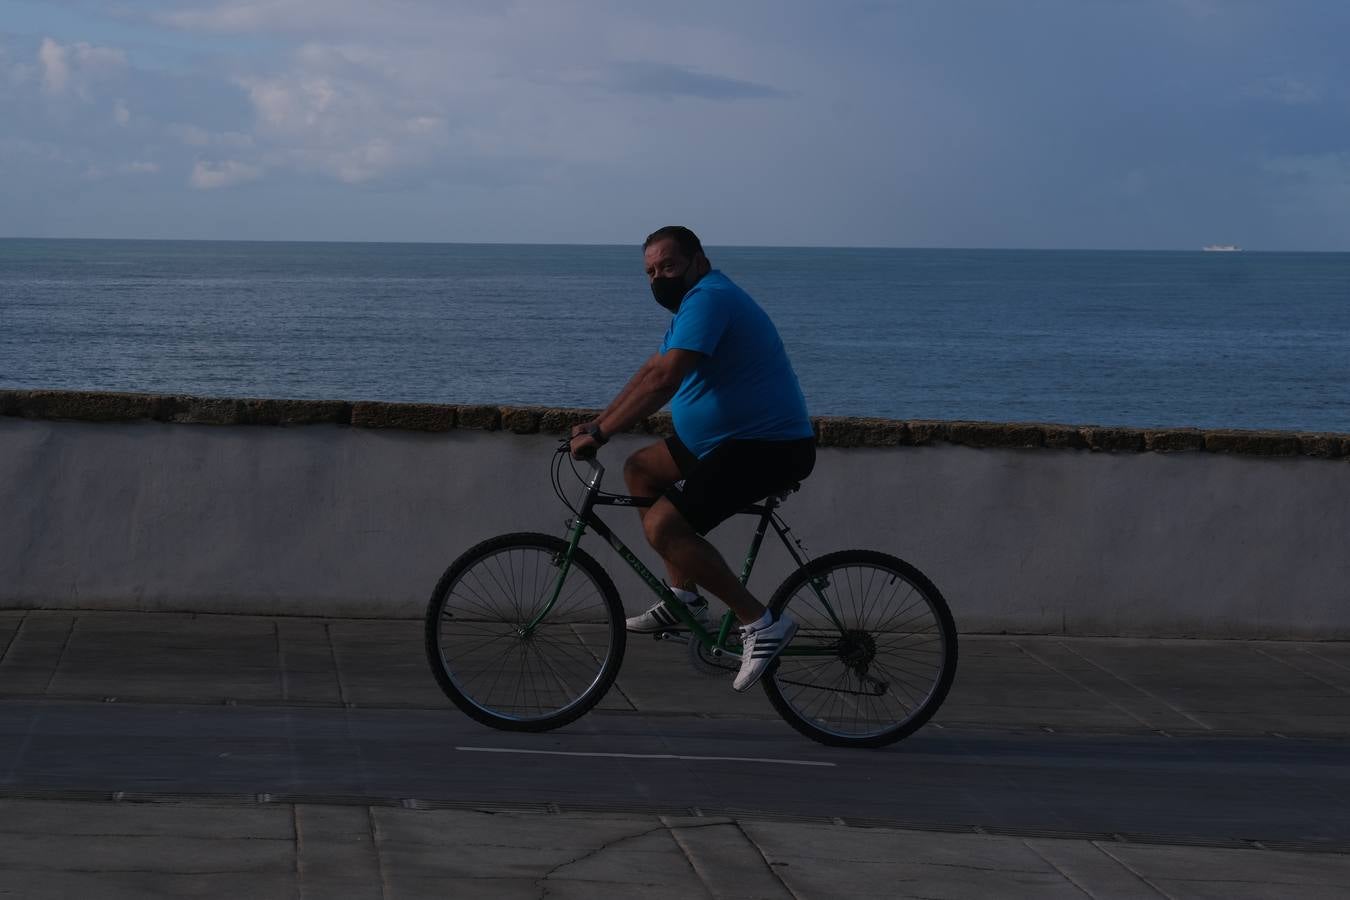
(587,438)
(584,446)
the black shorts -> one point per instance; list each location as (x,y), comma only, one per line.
(734,475)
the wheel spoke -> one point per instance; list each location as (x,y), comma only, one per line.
(499,670)
(896,632)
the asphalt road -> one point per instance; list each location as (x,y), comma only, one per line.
(1209,788)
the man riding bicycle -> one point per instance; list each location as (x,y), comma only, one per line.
(741,434)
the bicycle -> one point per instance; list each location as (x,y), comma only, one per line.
(525,631)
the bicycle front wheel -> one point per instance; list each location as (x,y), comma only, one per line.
(492,658)
(875,652)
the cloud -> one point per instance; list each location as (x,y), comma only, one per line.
(305,16)
(669,80)
(121,115)
(74,67)
(140,167)
(1324,170)
(228,17)
(428,89)
(404,20)
(354,114)
(197,136)
(211,175)
(12,149)
(295,105)
(16,73)
(1284,89)
(55,66)
(1201,9)
(91,57)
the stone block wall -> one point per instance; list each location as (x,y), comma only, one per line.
(132,501)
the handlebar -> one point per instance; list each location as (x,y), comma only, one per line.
(592,461)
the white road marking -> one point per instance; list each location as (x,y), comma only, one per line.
(748,759)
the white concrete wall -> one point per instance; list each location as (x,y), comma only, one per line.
(333,520)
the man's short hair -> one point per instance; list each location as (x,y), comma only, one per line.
(685,239)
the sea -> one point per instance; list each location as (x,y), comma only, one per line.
(1167,339)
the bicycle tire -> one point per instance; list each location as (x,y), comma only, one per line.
(529,681)
(893,662)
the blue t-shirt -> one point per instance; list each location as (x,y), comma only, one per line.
(744,386)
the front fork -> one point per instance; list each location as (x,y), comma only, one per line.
(563,562)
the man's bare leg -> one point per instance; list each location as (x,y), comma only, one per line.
(691,556)
(648,473)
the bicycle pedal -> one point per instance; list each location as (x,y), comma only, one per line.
(671,636)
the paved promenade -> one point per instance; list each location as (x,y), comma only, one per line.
(221,756)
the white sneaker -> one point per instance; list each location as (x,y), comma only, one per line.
(658,618)
(761,647)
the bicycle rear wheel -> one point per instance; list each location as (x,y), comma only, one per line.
(494,666)
(886,650)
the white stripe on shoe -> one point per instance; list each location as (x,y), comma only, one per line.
(761,647)
(658,618)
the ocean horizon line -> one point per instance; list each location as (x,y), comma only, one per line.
(638,244)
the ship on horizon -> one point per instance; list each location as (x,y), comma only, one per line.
(1221,248)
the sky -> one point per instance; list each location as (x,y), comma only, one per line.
(1077,124)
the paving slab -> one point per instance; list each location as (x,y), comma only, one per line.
(163,656)
(1169,685)
(195,820)
(139,885)
(1109,689)
(1205,890)
(648,859)
(383,663)
(596,638)
(336,853)
(308,667)
(443,828)
(533,889)
(10,620)
(802,841)
(1307,660)
(1234,866)
(728,862)
(452,844)
(1336,652)
(821,879)
(1093,871)
(35,652)
(167,854)
(998,683)
(439,888)
(1215,682)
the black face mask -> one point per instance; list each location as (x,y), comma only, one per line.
(670,290)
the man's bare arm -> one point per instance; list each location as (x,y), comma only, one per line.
(631,386)
(648,390)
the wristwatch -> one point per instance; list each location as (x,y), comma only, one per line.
(596,434)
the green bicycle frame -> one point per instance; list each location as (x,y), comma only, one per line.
(586,517)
